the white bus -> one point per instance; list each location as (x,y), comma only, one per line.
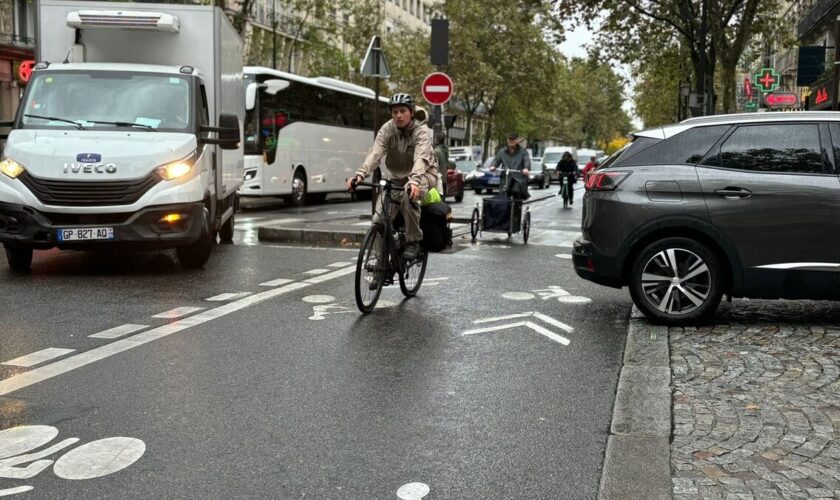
(304,136)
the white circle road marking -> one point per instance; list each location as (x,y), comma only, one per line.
(518,295)
(99,458)
(574,299)
(564,255)
(318,299)
(413,491)
(18,440)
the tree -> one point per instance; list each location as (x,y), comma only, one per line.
(710,31)
(657,90)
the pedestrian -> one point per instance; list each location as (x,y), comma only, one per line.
(567,166)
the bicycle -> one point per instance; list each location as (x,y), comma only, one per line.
(565,188)
(372,272)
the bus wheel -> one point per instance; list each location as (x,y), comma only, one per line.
(298,196)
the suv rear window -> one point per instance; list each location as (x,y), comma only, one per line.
(638,144)
(687,147)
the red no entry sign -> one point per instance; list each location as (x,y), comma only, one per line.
(437,88)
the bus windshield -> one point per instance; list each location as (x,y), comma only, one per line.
(108,100)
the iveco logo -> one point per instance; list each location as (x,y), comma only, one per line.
(88,158)
(90,168)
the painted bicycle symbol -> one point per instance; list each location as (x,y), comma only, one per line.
(19,460)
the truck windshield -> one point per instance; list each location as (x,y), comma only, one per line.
(108,100)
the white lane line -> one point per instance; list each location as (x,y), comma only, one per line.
(225,297)
(277,282)
(38,357)
(327,277)
(316,271)
(340,264)
(51,370)
(178,312)
(118,331)
(251,219)
(15,491)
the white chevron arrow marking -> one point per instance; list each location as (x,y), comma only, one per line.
(530,324)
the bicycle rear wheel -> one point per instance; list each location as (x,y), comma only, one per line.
(370,273)
(411,277)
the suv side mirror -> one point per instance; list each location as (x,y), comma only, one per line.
(227,132)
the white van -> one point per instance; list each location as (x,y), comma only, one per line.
(551,157)
(128,133)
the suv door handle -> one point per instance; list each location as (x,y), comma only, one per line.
(733,193)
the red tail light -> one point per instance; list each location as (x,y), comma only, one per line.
(605,181)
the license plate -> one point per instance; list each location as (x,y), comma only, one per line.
(86,234)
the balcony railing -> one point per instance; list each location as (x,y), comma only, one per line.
(17,40)
(814,12)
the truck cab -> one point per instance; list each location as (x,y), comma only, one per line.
(116,146)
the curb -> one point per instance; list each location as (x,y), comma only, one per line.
(637,463)
(310,236)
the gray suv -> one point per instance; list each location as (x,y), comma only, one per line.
(743,205)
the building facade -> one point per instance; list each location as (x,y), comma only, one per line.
(17,44)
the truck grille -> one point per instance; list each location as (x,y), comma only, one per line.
(90,193)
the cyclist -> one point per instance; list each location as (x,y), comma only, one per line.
(405,143)
(514,156)
(567,166)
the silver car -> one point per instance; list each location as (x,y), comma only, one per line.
(744,205)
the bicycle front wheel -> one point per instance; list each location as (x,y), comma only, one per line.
(370,270)
(411,277)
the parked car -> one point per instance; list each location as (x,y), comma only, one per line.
(551,157)
(455,184)
(485,177)
(539,177)
(744,205)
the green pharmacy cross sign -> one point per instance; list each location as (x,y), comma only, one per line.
(767,80)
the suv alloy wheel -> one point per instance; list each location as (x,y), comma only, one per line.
(676,281)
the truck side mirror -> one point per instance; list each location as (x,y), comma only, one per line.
(228,132)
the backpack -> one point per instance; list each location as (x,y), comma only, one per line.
(434,222)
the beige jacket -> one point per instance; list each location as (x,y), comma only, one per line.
(408,153)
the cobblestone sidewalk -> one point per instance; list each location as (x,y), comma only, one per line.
(756,403)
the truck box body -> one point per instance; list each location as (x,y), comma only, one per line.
(115,140)
(218,58)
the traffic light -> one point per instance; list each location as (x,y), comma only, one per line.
(449,121)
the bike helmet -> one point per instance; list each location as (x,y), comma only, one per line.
(401,99)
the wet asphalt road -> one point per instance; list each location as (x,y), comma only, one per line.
(278,388)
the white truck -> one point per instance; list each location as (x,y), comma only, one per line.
(128,134)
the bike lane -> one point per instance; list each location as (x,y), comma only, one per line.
(299,394)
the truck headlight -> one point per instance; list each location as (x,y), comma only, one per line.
(11,168)
(175,170)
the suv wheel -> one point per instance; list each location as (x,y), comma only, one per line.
(676,281)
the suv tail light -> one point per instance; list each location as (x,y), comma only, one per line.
(605,181)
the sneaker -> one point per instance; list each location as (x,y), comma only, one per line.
(411,252)
(374,282)
(571,202)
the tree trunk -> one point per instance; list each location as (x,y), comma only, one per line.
(488,131)
(728,70)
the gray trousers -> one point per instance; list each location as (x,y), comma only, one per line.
(411,214)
